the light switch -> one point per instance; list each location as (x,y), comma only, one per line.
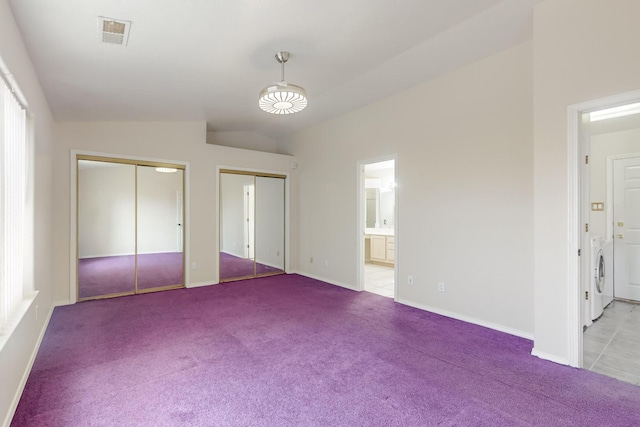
(597,206)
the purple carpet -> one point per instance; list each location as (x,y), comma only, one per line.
(232,266)
(291,351)
(116,274)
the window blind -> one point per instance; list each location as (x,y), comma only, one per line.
(13,124)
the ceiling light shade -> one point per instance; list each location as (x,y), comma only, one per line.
(282,97)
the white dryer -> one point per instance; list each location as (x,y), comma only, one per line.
(601,293)
(607,291)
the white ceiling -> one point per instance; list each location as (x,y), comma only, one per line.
(208,59)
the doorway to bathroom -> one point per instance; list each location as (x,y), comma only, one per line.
(378,224)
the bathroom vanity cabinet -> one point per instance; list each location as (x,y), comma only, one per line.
(382,249)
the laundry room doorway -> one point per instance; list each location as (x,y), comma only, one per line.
(603,132)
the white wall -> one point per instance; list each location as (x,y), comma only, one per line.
(176,141)
(583,50)
(16,355)
(244,139)
(465,214)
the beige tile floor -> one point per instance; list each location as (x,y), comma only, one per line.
(378,279)
(611,345)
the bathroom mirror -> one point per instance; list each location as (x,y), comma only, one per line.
(380,195)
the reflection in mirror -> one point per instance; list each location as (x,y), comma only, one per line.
(372,206)
(237,223)
(130,237)
(106,228)
(387,204)
(269,225)
(160,255)
(380,195)
(252,221)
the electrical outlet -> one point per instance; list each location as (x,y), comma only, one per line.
(410,280)
(441,287)
(194,266)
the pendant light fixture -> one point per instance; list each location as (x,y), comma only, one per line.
(282,97)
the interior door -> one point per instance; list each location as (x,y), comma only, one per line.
(626,215)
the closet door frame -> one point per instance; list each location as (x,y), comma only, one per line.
(256,173)
(76,155)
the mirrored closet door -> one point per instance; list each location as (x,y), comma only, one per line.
(252,225)
(130,230)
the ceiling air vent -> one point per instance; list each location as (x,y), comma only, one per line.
(113,31)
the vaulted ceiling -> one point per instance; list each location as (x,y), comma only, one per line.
(208,59)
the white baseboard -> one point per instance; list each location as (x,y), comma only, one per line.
(109,255)
(469,319)
(324,279)
(453,315)
(61,303)
(200,284)
(268,264)
(27,372)
(550,357)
